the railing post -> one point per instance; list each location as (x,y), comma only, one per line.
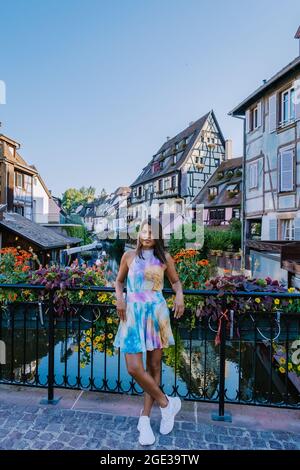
(221,415)
(50,400)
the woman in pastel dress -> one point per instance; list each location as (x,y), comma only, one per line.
(145,322)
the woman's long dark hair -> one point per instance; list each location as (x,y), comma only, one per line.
(157,234)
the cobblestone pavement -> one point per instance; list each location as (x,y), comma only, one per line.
(48,427)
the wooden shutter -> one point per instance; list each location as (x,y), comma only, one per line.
(297,228)
(247,121)
(273,229)
(259,116)
(287,170)
(272,113)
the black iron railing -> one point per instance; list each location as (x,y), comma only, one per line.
(254,362)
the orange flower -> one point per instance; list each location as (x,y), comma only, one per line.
(203,262)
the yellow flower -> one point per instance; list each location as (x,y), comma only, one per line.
(82,344)
(114,302)
(80,293)
(109,352)
(257,300)
(97,338)
(102,297)
(291,301)
(82,365)
(102,337)
(88,332)
(75,348)
(100,347)
(88,339)
(88,349)
(276,301)
(109,320)
(282,370)
(298,368)
(290,365)
(291,290)
(282,360)
(110,335)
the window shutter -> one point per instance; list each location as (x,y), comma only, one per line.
(287,170)
(296,85)
(273,229)
(248,121)
(259,116)
(297,228)
(272,113)
(253,175)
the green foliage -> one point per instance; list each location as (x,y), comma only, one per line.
(79,232)
(235,224)
(178,240)
(213,240)
(72,198)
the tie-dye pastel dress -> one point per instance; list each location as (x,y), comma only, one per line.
(147,325)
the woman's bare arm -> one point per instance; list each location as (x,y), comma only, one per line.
(176,286)
(119,286)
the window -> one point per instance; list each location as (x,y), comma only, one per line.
(173,182)
(253,175)
(167,183)
(253,117)
(178,208)
(288,229)
(287,106)
(213,191)
(140,191)
(160,186)
(19,180)
(286,177)
(254,229)
(19,210)
(217,214)
(236,213)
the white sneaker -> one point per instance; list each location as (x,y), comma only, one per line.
(146,437)
(168,414)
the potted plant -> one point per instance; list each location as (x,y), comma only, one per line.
(213,252)
(229,252)
(229,174)
(220,175)
(237,255)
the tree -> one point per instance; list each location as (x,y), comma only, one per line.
(72,198)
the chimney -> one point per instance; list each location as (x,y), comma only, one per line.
(297,36)
(228,149)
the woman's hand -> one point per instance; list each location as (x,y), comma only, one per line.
(178,305)
(121,309)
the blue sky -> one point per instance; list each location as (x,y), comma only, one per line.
(94,87)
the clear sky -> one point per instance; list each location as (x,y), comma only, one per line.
(94,87)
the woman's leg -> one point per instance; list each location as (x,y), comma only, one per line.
(135,367)
(153,362)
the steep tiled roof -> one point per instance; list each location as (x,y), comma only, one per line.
(192,130)
(222,198)
(44,237)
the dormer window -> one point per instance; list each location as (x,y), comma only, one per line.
(213,191)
